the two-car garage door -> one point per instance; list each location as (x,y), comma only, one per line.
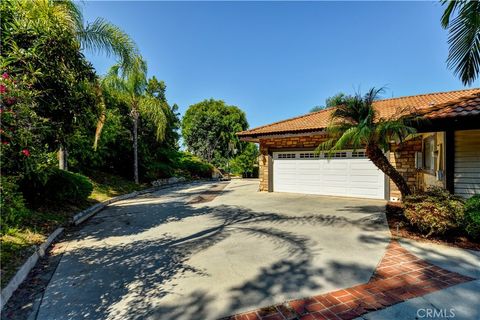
(345,173)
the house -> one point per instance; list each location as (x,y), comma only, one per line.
(444,152)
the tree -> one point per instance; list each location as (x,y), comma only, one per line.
(332,101)
(43,41)
(246,161)
(355,125)
(130,85)
(209,130)
(462,19)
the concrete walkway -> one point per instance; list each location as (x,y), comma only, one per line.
(460,302)
(166,256)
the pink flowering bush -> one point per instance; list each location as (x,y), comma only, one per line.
(22,152)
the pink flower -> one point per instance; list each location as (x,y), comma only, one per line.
(3,89)
(9,101)
(5,75)
(26,153)
(5,142)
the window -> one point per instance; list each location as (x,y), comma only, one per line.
(359,154)
(336,155)
(429,154)
(309,155)
(286,156)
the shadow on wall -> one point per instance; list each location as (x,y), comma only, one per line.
(144,269)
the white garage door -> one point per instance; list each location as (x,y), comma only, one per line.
(346,173)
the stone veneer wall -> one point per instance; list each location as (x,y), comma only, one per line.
(401,156)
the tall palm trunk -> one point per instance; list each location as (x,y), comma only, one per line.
(375,154)
(63,157)
(135,144)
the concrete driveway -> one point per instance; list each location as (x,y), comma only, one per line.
(166,256)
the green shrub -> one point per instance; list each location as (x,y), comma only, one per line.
(67,186)
(472,216)
(435,211)
(12,204)
(194,167)
(59,186)
(158,170)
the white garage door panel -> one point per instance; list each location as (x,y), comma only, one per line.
(364,180)
(346,176)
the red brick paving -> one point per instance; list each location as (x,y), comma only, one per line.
(398,277)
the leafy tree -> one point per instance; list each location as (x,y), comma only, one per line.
(43,40)
(246,162)
(462,19)
(355,125)
(332,101)
(209,130)
(317,108)
(22,131)
(130,86)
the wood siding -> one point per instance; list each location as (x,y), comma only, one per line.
(467,163)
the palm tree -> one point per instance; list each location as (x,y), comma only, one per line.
(97,36)
(462,19)
(355,125)
(130,86)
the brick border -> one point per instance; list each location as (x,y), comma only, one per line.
(399,276)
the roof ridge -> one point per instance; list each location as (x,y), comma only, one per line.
(289,119)
(427,94)
(449,103)
(467,93)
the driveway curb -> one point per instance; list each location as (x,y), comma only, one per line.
(22,273)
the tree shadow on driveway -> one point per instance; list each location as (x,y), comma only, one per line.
(131,277)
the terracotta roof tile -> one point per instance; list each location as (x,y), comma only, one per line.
(465,106)
(432,105)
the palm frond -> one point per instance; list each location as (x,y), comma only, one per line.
(373,94)
(102,36)
(334,144)
(326,145)
(347,138)
(113,82)
(447,14)
(463,39)
(136,76)
(387,131)
(73,10)
(153,109)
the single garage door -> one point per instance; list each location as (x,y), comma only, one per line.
(346,173)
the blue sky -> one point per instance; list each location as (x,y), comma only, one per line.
(276,60)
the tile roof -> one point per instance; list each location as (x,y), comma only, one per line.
(465,106)
(432,105)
